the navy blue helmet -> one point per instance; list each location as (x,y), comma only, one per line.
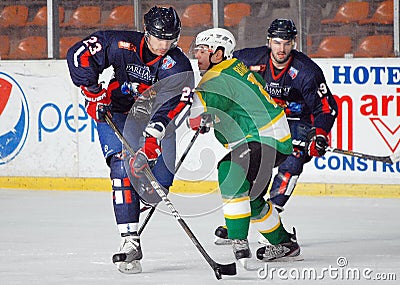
(283,29)
(162,23)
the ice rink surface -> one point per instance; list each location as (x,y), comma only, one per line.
(57,237)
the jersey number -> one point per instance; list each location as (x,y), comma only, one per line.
(93,46)
(322,90)
(187,95)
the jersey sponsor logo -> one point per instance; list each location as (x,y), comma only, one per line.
(275,90)
(293,72)
(140,73)
(126,45)
(14,115)
(168,63)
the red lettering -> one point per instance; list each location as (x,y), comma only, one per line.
(371,107)
(385,104)
(340,123)
(398,102)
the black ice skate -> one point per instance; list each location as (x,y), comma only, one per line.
(127,259)
(281,252)
(287,251)
(241,250)
(221,236)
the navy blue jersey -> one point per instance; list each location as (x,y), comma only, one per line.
(124,51)
(301,86)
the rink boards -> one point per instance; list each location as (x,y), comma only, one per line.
(47,141)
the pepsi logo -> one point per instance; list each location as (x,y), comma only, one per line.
(14,118)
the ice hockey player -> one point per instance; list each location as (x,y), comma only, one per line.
(297,84)
(139,60)
(252,125)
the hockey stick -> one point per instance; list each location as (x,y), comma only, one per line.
(219,269)
(393,158)
(153,208)
(185,153)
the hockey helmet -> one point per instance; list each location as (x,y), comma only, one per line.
(162,23)
(283,29)
(215,38)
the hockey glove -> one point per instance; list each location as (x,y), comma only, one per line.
(133,88)
(97,101)
(318,143)
(145,156)
(203,122)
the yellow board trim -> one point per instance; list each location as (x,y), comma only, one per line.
(202,187)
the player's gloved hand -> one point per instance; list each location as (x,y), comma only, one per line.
(318,143)
(202,122)
(146,155)
(97,101)
(133,88)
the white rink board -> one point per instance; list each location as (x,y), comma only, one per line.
(60,140)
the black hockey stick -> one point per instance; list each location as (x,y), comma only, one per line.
(219,269)
(185,153)
(393,158)
(153,208)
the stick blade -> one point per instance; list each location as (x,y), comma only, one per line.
(224,269)
(395,157)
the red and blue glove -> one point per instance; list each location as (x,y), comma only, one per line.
(202,122)
(134,88)
(146,155)
(97,101)
(318,143)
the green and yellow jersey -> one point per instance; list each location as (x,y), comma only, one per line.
(243,110)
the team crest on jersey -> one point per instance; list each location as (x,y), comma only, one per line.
(126,45)
(293,72)
(168,63)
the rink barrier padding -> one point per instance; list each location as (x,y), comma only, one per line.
(199,187)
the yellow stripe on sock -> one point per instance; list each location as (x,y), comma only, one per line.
(238,216)
(266,216)
(272,229)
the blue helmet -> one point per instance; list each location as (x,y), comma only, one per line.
(162,23)
(283,29)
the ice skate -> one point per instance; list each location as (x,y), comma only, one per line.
(241,250)
(127,259)
(287,251)
(221,236)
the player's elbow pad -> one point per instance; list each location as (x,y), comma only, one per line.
(155,129)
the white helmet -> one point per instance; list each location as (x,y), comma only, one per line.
(215,38)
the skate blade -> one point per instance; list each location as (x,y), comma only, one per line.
(248,265)
(222,241)
(286,259)
(132,267)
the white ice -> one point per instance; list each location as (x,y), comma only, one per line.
(57,237)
